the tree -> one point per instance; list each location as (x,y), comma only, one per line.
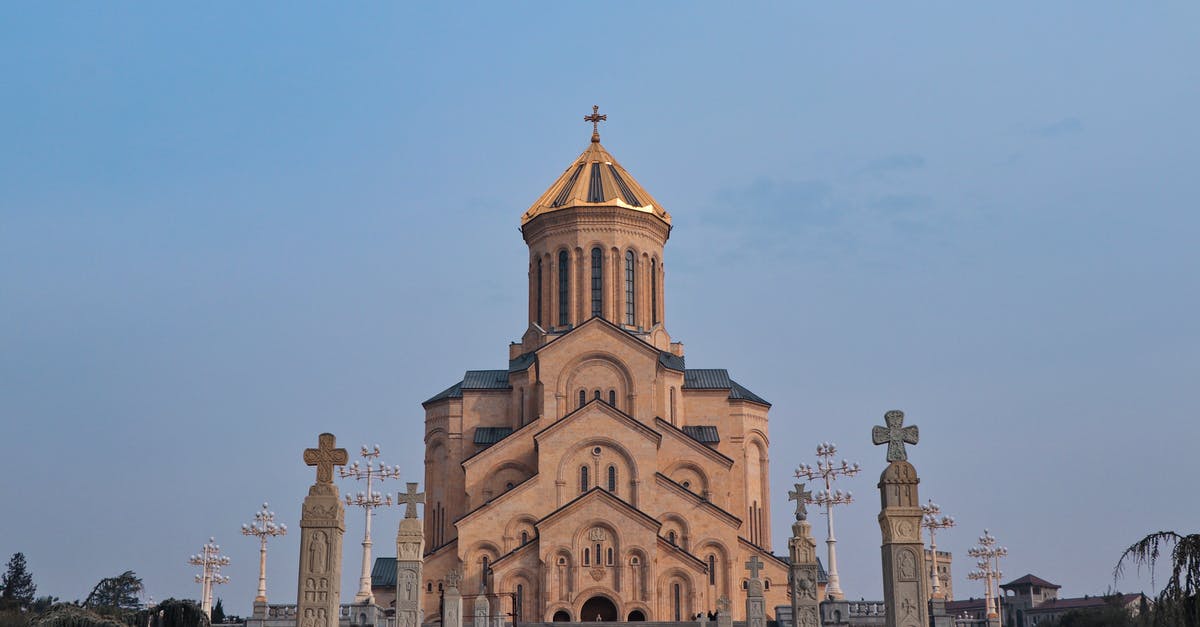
(115,595)
(218,612)
(17,584)
(178,613)
(1179,601)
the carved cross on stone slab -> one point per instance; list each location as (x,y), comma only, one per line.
(754,565)
(325,457)
(802,498)
(453,577)
(723,604)
(410,500)
(894,435)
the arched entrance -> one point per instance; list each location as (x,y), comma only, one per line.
(561,616)
(636,616)
(598,608)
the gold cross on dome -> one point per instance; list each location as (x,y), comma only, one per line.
(325,457)
(596,118)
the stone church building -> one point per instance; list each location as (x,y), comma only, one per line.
(596,477)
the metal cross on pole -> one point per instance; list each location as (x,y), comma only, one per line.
(596,118)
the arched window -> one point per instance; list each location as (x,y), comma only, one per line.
(653,291)
(582,397)
(745,584)
(440,588)
(587,556)
(677,600)
(539,291)
(612,478)
(483,572)
(597,282)
(521,410)
(564,284)
(671,537)
(583,479)
(428,586)
(518,602)
(712,570)
(524,538)
(612,398)
(508,486)
(610,556)
(766,584)
(629,280)
(596,395)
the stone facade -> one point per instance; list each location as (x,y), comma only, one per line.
(596,474)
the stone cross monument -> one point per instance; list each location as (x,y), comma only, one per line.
(900,521)
(452,601)
(802,548)
(756,606)
(482,608)
(322,523)
(724,618)
(410,552)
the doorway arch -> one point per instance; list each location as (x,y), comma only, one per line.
(636,616)
(598,609)
(561,616)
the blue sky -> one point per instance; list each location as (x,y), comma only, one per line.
(226,228)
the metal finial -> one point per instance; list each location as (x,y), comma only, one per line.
(595,118)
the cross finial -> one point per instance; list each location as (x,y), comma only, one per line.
(895,435)
(754,565)
(410,500)
(325,457)
(802,498)
(595,118)
(453,577)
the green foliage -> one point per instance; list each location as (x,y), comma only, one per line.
(116,595)
(16,587)
(177,613)
(1178,604)
(67,615)
(218,612)
(1110,615)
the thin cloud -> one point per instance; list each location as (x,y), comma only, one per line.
(1065,126)
(892,163)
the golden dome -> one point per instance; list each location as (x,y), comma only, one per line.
(595,179)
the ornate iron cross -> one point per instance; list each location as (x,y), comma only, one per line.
(895,435)
(410,500)
(801,497)
(325,457)
(596,118)
(754,565)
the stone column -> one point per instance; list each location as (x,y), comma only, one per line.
(483,610)
(756,605)
(724,618)
(900,522)
(803,550)
(452,601)
(410,551)
(322,524)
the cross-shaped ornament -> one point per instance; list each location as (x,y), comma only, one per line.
(723,604)
(895,435)
(754,565)
(802,498)
(596,118)
(410,500)
(453,577)
(325,457)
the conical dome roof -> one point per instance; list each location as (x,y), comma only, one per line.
(595,179)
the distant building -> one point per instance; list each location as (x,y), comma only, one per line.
(945,578)
(1030,601)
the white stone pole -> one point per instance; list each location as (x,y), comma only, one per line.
(930,520)
(828,498)
(210,562)
(368,501)
(263,527)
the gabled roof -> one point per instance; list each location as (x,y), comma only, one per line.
(487,436)
(708,451)
(649,520)
(595,179)
(604,407)
(1032,580)
(718,379)
(1074,603)
(704,434)
(671,361)
(383,573)
(474,380)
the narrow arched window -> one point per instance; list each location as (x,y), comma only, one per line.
(596,395)
(519,602)
(612,478)
(630,302)
(583,479)
(610,556)
(483,572)
(524,538)
(582,397)
(521,410)
(539,291)
(673,421)
(653,291)
(766,584)
(597,282)
(428,586)
(671,537)
(587,557)
(612,398)
(677,601)
(712,570)
(564,284)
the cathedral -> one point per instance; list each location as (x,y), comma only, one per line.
(597,477)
